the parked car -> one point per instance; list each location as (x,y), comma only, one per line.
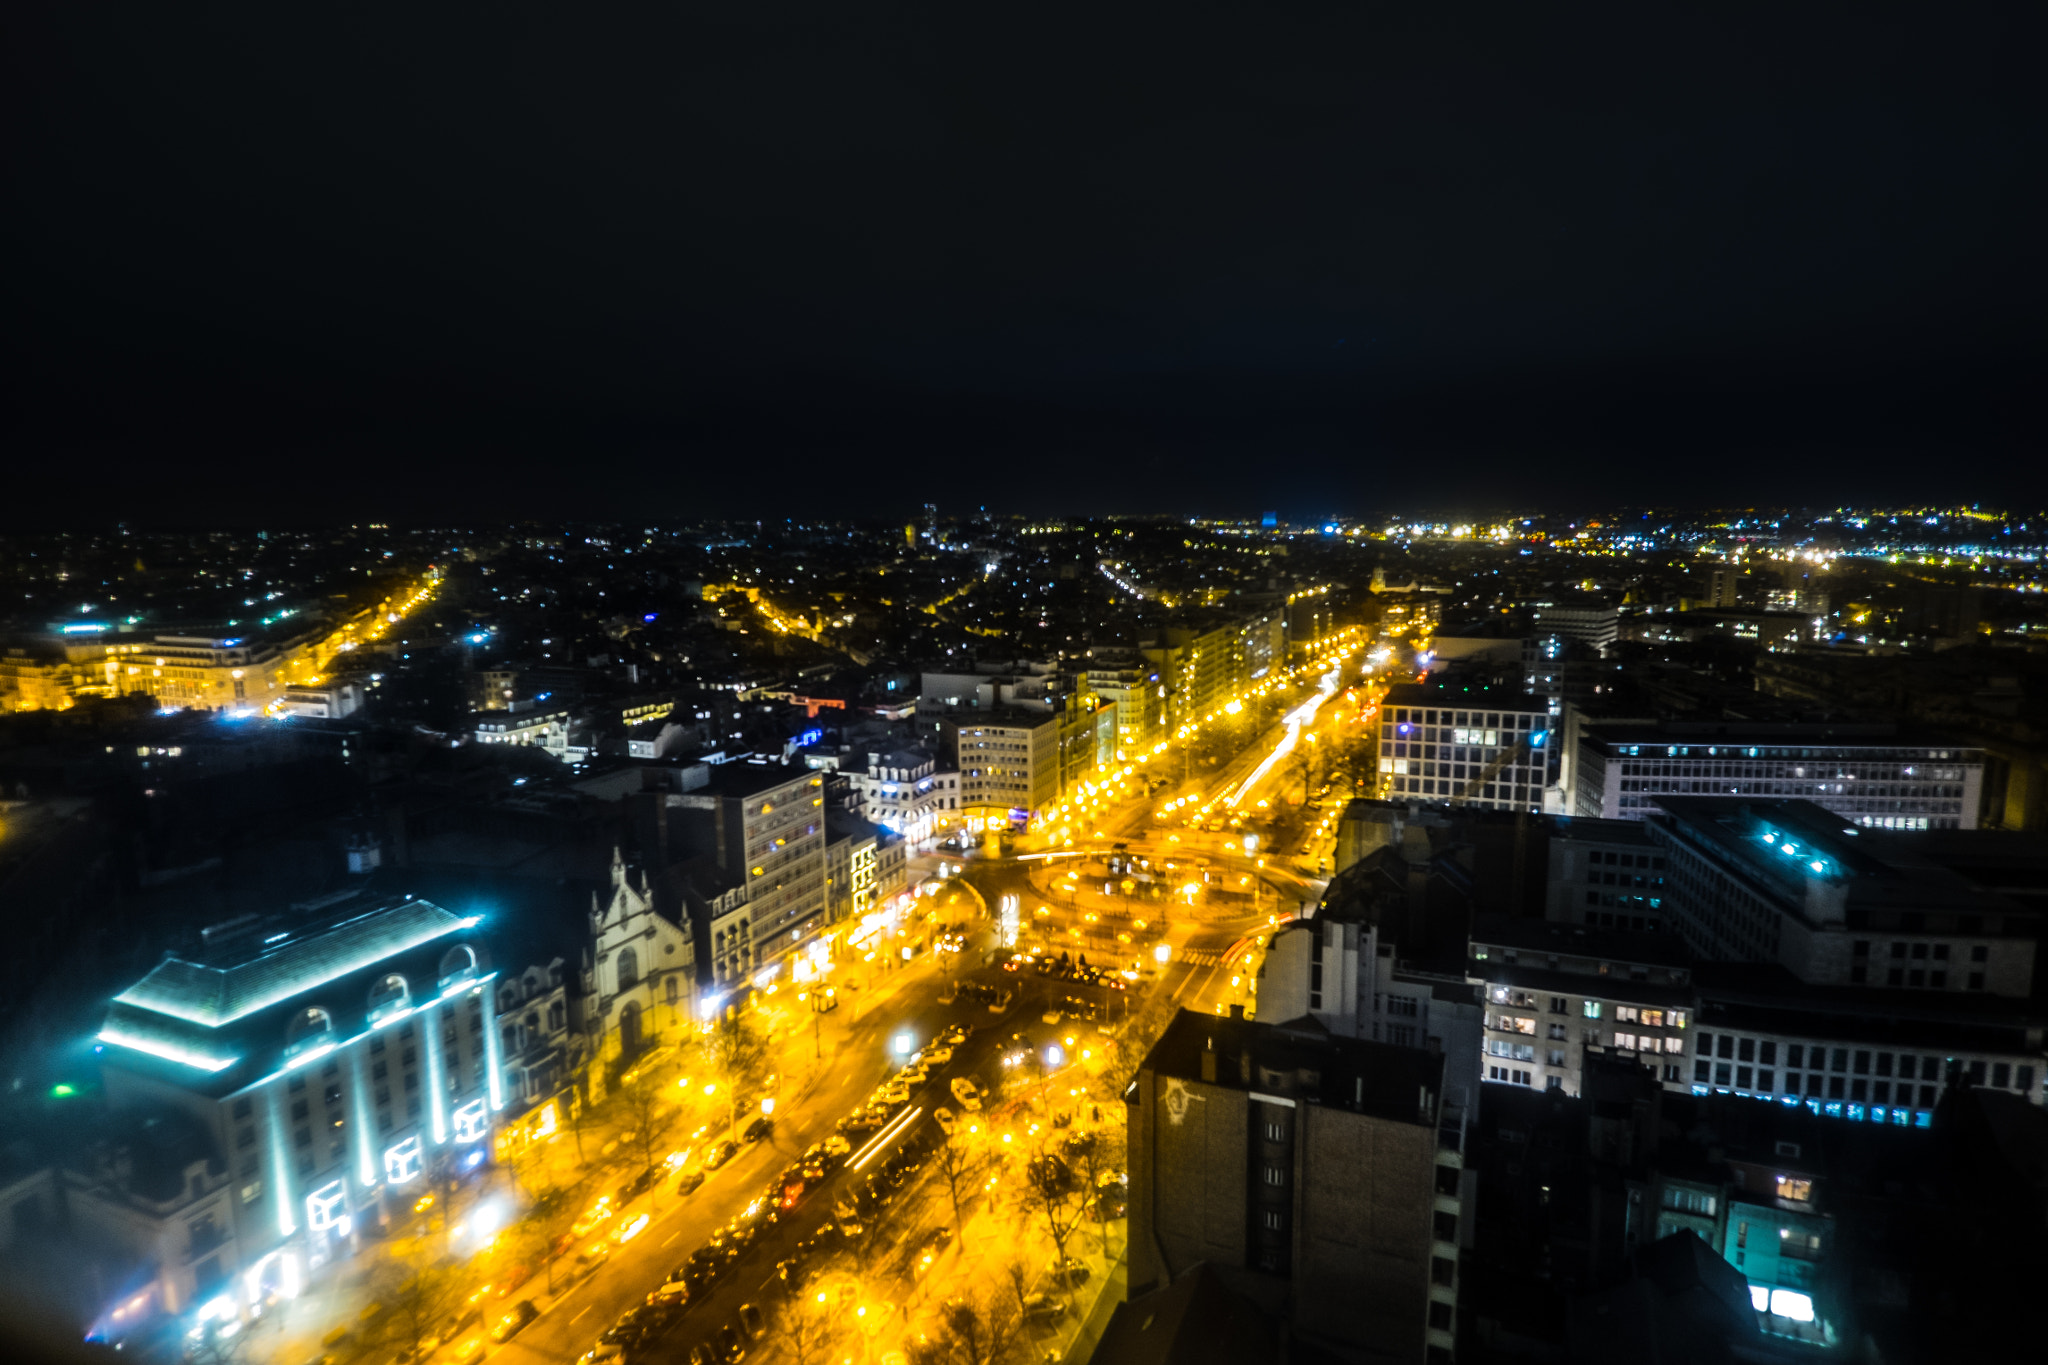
(938,1054)
(758,1129)
(835,1146)
(944,1118)
(968,1094)
(1068,1272)
(639,1185)
(689,1182)
(732,1344)
(720,1154)
(514,1321)
(1043,1308)
(750,1321)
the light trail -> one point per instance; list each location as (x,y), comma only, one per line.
(894,1129)
(1296,720)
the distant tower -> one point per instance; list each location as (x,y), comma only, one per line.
(1270,521)
(931,520)
(1721,581)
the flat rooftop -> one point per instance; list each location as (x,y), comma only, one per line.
(1304,1061)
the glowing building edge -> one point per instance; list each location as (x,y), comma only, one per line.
(169,1052)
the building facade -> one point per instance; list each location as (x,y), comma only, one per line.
(335,1066)
(1324,1176)
(1485,750)
(1868,775)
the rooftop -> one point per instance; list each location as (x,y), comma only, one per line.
(1547,937)
(1304,1060)
(258,972)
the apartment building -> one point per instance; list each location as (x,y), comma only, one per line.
(1323,1176)
(1604,874)
(759,830)
(1554,992)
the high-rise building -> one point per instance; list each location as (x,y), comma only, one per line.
(1324,1177)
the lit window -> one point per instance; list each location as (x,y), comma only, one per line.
(326,1207)
(471,1122)
(1791,1187)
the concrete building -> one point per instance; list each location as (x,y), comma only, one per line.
(759,831)
(547,730)
(1009,764)
(1555,992)
(1322,1177)
(1604,874)
(1486,750)
(335,1065)
(221,673)
(640,981)
(1790,883)
(1870,774)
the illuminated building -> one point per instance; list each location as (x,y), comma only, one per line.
(548,730)
(1870,774)
(1323,1177)
(328,1061)
(756,886)
(1486,750)
(221,673)
(640,980)
(1009,763)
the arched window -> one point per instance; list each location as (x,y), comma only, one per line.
(457,964)
(309,1030)
(670,985)
(628,969)
(629,1030)
(389,996)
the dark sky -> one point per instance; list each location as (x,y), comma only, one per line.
(289,261)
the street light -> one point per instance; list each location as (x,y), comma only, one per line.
(767,1105)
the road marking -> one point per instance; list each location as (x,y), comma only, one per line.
(671,1238)
(581,1311)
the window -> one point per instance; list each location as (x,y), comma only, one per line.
(1689,1201)
(311,1031)
(1559,1005)
(1794,1187)
(1624,1014)
(1276,1176)
(1276,1132)
(1439,1316)
(1272,1220)
(1592,1009)
(1443,1271)
(628,968)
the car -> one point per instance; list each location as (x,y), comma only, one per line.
(914,1074)
(639,1184)
(895,1092)
(967,1093)
(938,1054)
(1002,1002)
(944,1118)
(927,1251)
(514,1321)
(751,1322)
(673,1291)
(720,1154)
(758,1129)
(1050,1016)
(860,1123)
(701,1354)
(631,1228)
(597,1213)
(956,1034)
(732,1343)
(791,1272)
(689,1182)
(835,1146)
(1068,1272)
(592,1256)
(1043,1308)
(604,1353)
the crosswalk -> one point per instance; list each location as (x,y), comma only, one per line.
(1200,957)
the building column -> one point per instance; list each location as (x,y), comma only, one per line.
(365,1119)
(281,1161)
(437,1082)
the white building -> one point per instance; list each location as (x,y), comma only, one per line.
(1487,750)
(335,1064)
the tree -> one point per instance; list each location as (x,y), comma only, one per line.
(979,1328)
(810,1329)
(962,1164)
(734,1055)
(419,1293)
(1051,1194)
(552,1213)
(646,1116)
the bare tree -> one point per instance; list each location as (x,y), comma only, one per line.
(810,1329)
(981,1327)
(419,1293)
(734,1055)
(1051,1194)
(552,1213)
(646,1116)
(963,1167)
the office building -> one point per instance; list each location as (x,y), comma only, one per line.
(1009,764)
(335,1068)
(1788,882)
(1604,874)
(1872,775)
(1323,1177)
(1483,749)
(757,884)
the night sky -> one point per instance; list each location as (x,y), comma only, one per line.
(293,262)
